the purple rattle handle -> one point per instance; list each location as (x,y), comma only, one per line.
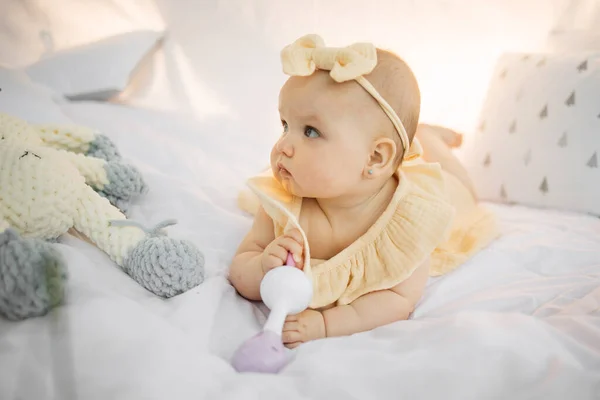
(264,352)
(290,260)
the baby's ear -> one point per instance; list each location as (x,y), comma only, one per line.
(382,155)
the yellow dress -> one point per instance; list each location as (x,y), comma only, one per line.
(431,214)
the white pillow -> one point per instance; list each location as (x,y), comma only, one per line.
(96,71)
(538,141)
(31,28)
(24,99)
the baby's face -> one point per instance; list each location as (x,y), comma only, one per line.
(326,139)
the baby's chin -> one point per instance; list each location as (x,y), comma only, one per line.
(293,189)
(289,186)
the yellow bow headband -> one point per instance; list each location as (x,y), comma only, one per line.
(309,53)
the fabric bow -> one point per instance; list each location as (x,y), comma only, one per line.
(309,53)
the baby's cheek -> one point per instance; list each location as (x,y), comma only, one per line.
(328,175)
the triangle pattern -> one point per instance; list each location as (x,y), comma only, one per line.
(571,100)
(593,161)
(583,66)
(519,95)
(544,112)
(562,142)
(544,186)
(481,126)
(488,160)
(527,158)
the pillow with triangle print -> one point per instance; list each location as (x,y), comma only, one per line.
(538,137)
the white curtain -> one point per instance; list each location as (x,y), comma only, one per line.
(452,45)
(222,56)
(579,15)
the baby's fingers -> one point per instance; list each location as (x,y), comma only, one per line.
(296,235)
(293,247)
(291,337)
(271,261)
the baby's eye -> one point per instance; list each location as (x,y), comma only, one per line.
(285,126)
(311,132)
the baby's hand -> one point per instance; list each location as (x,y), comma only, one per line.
(275,254)
(304,327)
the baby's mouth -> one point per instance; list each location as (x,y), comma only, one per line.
(283,171)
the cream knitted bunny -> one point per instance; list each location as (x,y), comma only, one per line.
(45,191)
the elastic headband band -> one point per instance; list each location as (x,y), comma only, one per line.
(307,54)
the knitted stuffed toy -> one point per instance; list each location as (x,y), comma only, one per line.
(49,184)
(32,275)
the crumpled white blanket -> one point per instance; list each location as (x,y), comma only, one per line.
(521,320)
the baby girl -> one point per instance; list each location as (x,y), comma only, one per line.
(368,203)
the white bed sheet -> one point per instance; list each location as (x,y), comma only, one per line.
(520,320)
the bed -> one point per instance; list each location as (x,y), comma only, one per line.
(520,320)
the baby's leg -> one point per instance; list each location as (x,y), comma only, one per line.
(450,137)
(434,140)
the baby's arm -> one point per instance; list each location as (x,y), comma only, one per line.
(378,308)
(260,252)
(246,272)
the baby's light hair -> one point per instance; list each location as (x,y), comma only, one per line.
(395,81)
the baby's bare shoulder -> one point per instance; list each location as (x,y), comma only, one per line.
(327,237)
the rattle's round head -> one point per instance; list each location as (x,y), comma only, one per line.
(286,287)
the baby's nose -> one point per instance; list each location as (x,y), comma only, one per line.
(285,146)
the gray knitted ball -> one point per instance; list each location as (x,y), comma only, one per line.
(185,265)
(124,180)
(32,276)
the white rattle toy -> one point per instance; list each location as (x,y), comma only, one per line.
(285,291)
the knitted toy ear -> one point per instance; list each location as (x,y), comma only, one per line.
(98,159)
(78,139)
